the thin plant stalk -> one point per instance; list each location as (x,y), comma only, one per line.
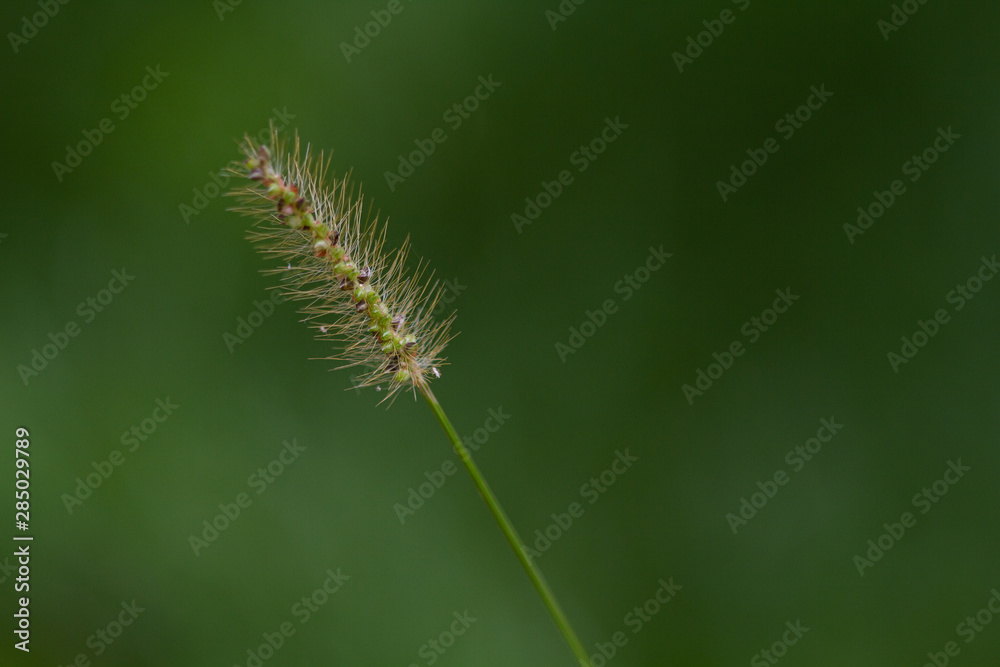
(548,597)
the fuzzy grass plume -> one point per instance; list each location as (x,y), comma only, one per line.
(362,297)
(357,294)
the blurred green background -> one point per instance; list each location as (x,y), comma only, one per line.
(520,290)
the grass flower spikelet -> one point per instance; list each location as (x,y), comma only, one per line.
(356,292)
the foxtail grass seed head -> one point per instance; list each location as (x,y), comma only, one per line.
(356,292)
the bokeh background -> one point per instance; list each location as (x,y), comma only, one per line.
(518,292)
